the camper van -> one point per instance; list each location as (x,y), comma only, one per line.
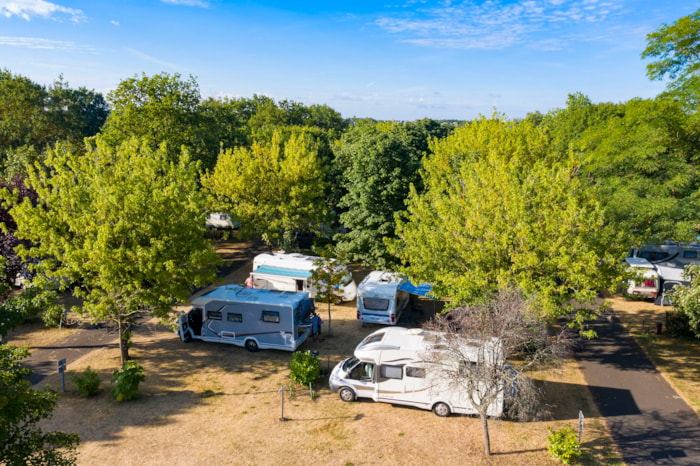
(291,272)
(669,253)
(389,366)
(380,299)
(255,319)
(646,281)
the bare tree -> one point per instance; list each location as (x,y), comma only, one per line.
(485,351)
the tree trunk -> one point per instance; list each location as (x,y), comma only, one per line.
(123,341)
(487,439)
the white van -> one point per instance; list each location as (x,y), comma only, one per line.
(389,366)
(380,299)
(291,272)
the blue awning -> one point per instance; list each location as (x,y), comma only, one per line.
(269,270)
(419,290)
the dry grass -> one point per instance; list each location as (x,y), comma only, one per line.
(678,360)
(205,403)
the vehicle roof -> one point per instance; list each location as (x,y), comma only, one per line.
(639,262)
(251,295)
(380,283)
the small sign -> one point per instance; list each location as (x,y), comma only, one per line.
(61,363)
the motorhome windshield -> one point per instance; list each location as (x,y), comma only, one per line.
(350,363)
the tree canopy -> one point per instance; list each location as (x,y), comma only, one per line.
(123,227)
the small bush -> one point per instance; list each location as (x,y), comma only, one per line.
(126,382)
(305,368)
(563,444)
(88,383)
(678,325)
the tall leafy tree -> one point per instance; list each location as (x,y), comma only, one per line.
(275,189)
(500,209)
(125,224)
(21,410)
(676,50)
(163,108)
(379,162)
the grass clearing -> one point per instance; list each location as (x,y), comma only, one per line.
(214,403)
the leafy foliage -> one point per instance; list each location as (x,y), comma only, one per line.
(676,48)
(326,278)
(127,380)
(21,409)
(686,299)
(563,444)
(87,383)
(305,368)
(275,189)
(502,209)
(31,303)
(126,225)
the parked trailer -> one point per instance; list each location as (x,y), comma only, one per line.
(380,299)
(388,366)
(291,272)
(255,319)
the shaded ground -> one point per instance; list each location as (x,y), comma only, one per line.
(649,421)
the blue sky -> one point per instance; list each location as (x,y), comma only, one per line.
(393,59)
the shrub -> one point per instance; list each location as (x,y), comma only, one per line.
(126,382)
(678,325)
(88,383)
(563,444)
(305,368)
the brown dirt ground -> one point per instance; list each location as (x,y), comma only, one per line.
(206,403)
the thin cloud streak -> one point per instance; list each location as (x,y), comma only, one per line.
(45,44)
(494,24)
(26,9)
(151,59)
(199,3)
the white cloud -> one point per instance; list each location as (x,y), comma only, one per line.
(45,44)
(492,24)
(199,3)
(26,9)
(114,23)
(151,59)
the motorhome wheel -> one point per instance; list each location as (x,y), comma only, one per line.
(441,409)
(346,394)
(251,345)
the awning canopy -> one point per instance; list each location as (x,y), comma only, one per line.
(269,270)
(419,290)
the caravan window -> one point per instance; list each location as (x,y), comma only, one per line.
(234,317)
(375,304)
(690,254)
(271,316)
(214,315)
(416,372)
(391,372)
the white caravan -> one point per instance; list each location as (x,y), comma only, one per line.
(389,366)
(221,221)
(291,272)
(646,281)
(380,299)
(255,319)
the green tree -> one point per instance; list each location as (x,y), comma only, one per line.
(21,410)
(275,189)
(379,162)
(162,108)
(501,210)
(676,48)
(326,279)
(686,298)
(125,226)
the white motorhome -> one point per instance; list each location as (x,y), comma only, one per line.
(389,366)
(380,299)
(646,281)
(255,319)
(669,253)
(291,272)
(221,221)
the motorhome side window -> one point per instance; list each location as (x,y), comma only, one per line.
(362,371)
(234,317)
(375,304)
(271,316)
(214,315)
(391,372)
(416,372)
(690,254)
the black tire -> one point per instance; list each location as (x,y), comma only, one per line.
(251,345)
(346,394)
(441,409)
